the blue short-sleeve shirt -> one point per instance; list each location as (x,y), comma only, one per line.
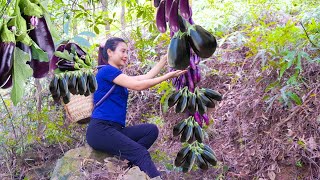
(113,108)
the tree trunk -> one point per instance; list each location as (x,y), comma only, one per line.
(105,9)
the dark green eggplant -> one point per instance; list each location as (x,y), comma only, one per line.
(174,97)
(182,103)
(210,158)
(66,98)
(178,128)
(87,93)
(192,104)
(179,52)
(202,164)
(182,154)
(63,87)
(56,96)
(212,94)
(93,83)
(201,107)
(53,87)
(72,84)
(188,164)
(186,133)
(202,42)
(82,85)
(182,24)
(206,101)
(207,148)
(198,133)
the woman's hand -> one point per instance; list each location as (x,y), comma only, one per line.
(163,59)
(176,73)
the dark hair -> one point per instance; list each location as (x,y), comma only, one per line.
(111,44)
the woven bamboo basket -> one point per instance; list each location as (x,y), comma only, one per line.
(79,109)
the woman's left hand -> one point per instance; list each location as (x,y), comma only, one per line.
(164,58)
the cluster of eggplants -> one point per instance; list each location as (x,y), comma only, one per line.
(26,25)
(70,57)
(72,82)
(192,102)
(198,153)
(189,129)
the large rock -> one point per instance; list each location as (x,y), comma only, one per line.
(73,166)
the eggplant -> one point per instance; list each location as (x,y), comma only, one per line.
(54,60)
(167,8)
(210,158)
(82,85)
(56,96)
(192,104)
(212,94)
(65,65)
(161,18)
(173,16)
(186,133)
(201,107)
(188,164)
(206,101)
(198,118)
(182,24)
(202,42)
(42,37)
(178,128)
(156,3)
(182,154)
(205,118)
(184,9)
(202,164)
(179,52)
(53,87)
(198,133)
(182,103)
(93,83)
(66,98)
(63,87)
(72,84)
(173,99)
(190,80)
(75,49)
(7,46)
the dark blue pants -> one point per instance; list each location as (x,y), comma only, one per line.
(131,143)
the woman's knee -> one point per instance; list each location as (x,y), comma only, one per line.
(154,130)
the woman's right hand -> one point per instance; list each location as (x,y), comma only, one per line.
(176,73)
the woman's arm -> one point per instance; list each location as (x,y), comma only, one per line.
(154,71)
(131,82)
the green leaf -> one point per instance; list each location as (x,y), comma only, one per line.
(96,29)
(38,53)
(21,72)
(64,55)
(81,41)
(295,98)
(88,33)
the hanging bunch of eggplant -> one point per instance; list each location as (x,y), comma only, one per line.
(188,45)
(74,73)
(27,30)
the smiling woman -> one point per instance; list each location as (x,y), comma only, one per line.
(107,130)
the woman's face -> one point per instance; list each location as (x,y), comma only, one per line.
(119,56)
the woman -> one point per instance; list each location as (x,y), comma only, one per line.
(106,131)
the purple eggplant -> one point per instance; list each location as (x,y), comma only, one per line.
(184,9)
(202,42)
(7,45)
(80,52)
(161,18)
(173,16)
(192,63)
(8,83)
(65,65)
(42,37)
(54,60)
(190,80)
(197,118)
(196,59)
(205,118)
(156,3)
(167,9)
(198,74)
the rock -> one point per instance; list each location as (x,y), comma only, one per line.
(135,173)
(69,166)
(75,165)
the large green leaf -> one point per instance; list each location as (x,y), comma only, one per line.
(21,72)
(38,53)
